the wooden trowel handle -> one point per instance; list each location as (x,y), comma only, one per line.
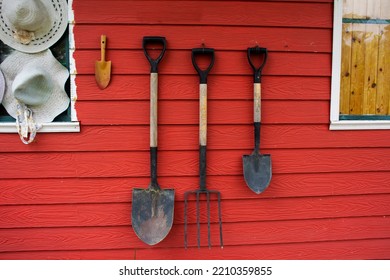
(153,109)
(103,42)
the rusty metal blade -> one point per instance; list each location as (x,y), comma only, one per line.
(257,171)
(152,214)
(102,73)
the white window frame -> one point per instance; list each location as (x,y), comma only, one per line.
(73,125)
(335,122)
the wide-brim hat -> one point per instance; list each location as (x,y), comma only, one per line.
(2,86)
(37,81)
(32,25)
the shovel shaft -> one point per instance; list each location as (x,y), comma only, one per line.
(203,114)
(153,169)
(257,102)
(202,134)
(257,126)
(257,113)
(153,129)
(202,168)
(153,109)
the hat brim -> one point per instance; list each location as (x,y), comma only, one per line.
(58,12)
(2,86)
(58,100)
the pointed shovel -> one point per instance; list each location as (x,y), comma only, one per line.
(103,67)
(152,208)
(257,167)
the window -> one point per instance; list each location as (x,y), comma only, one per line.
(63,52)
(360,96)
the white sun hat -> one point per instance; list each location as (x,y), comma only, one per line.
(32,25)
(2,86)
(34,90)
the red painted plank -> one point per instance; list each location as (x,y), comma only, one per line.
(187,112)
(97,238)
(185,163)
(338,250)
(89,189)
(187,37)
(185,87)
(226,63)
(136,138)
(115,214)
(214,13)
(118,190)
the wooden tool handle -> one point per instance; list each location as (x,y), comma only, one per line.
(203,114)
(257,102)
(153,109)
(103,41)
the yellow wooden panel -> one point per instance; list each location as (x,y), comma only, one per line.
(365,58)
(345,86)
(383,86)
(357,69)
(345,73)
(371,41)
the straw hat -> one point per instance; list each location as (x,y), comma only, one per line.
(32,25)
(2,86)
(36,81)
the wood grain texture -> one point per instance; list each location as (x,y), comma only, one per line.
(267,232)
(153,110)
(178,62)
(185,87)
(68,196)
(219,112)
(185,163)
(203,114)
(214,13)
(271,209)
(185,137)
(257,102)
(118,190)
(181,37)
(345,250)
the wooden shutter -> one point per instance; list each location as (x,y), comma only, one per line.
(365,59)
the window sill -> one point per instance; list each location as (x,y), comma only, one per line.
(47,127)
(360,125)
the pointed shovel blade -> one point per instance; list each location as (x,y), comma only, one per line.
(152,214)
(257,171)
(102,73)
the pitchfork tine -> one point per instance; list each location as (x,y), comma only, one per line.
(220,220)
(208,219)
(185,220)
(198,217)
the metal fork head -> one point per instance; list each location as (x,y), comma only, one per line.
(198,194)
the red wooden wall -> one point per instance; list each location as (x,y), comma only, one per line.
(69,195)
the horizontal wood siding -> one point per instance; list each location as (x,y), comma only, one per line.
(68,196)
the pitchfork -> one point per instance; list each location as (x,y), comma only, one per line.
(202,153)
